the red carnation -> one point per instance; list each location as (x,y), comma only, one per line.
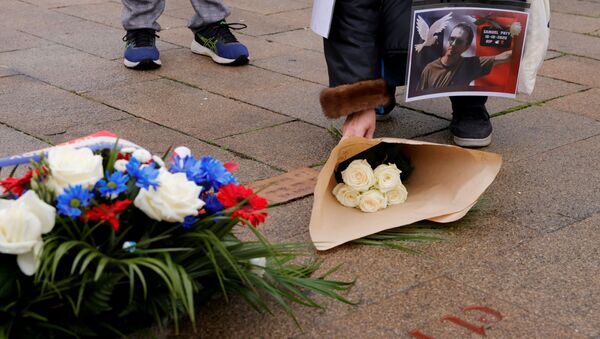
(16,186)
(231,195)
(230,166)
(108,212)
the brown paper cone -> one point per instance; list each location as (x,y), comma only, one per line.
(445,183)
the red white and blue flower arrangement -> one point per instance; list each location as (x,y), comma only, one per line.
(109,242)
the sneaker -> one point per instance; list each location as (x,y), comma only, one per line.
(140,49)
(383,113)
(471,129)
(217,42)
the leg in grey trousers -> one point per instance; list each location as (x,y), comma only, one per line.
(145,13)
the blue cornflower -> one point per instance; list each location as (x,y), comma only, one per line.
(114,185)
(72,199)
(189,221)
(144,176)
(216,173)
(191,167)
(212,204)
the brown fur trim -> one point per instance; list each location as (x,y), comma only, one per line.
(346,99)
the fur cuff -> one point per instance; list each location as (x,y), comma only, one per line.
(346,99)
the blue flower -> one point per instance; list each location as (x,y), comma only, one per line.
(145,176)
(189,221)
(114,185)
(191,167)
(72,199)
(212,204)
(216,173)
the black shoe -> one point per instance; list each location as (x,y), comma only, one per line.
(383,113)
(217,42)
(471,129)
(140,49)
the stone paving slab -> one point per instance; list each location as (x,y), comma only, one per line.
(5,71)
(48,110)
(584,8)
(423,307)
(68,68)
(572,68)
(14,40)
(551,276)
(14,142)
(299,145)
(564,22)
(577,44)
(61,3)
(548,88)
(266,6)
(196,112)
(405,123)
(305,65)
(303,38)
(583,103)
(158,139)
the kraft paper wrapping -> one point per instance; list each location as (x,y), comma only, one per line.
(445,183)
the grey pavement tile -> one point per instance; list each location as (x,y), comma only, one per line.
(13,40)
(582,103)
(158,139)
(277,92)
(578,7)
(442,107)
(551,190)
(423,308)
(405,123)
(178,4)
(525,133)
(298,145)
(71,69)
(302,38)
(6,71)
(574,69)
(574,43)
(304,64)
(93,38)
(11,6)
(61,3)
(13,142)
(109,13)
(187,109)
(547,88)
(574,23)
(553,276)
(266,6)
(36,18)
(43,110)
(552,55)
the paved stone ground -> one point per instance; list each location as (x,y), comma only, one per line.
(529,251)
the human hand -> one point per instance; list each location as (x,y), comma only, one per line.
(359,124)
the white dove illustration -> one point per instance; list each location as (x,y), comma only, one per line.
(427,33)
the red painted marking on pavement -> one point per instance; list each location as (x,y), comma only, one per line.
(473,328)
(487,310)
(419,335)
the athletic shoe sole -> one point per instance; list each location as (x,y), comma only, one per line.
(466,142)
(145,64)
(199,49)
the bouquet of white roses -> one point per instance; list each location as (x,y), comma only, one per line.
(370,189)
(107,242)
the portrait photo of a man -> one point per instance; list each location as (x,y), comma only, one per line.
(468,51)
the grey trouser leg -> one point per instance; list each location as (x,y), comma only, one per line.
(207,12)
(144,13)
(141,14)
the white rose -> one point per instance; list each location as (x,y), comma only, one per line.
(359,175)
(387,176)
(396,195)
(142,155)
(22,223)
(258,266)
(515,28)
(121,165)
(372,201)
(173,200)
(346,195)
(70,166)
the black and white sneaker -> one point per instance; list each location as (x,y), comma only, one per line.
(471,129)
(140,49)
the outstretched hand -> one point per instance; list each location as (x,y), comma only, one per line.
(359,124)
